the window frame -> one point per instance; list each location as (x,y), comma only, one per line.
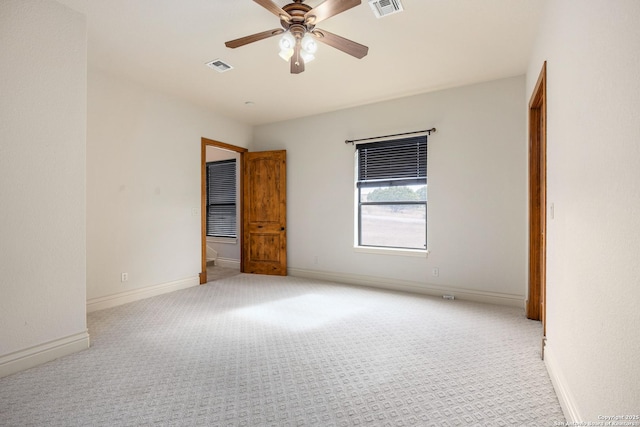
(390,183)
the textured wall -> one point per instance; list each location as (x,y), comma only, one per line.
(477,187)
(593,274)
(143,181)
(42,173)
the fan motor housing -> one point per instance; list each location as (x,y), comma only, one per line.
(297,12)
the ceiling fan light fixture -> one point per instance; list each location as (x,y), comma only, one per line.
(309,44)
(307,56)
(299,36)
(288,41)
(286,54)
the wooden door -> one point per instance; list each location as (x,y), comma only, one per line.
(536,307)
(264,213)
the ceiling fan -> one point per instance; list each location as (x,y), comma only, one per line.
(298,21)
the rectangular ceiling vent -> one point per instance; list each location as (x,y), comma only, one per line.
(383,8)
(219,65)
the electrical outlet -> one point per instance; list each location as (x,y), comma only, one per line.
(449,297)
(436,272)
(124,277)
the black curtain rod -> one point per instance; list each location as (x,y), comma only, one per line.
(353,141)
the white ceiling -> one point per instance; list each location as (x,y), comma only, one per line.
(433,44)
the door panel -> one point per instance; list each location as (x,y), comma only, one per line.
(265,211)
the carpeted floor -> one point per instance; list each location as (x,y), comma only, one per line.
(255,350)
(215,272)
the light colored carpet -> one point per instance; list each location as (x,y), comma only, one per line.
(215,272)
(270,351)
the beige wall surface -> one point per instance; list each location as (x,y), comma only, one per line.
(593,240)
(143,178)
(477,186)
(42,174)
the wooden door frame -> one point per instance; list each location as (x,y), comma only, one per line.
(203,199)
(536,303)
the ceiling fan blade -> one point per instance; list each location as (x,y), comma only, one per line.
(297,63)
(347,46)
(328,9)
(275,9)
(253,38)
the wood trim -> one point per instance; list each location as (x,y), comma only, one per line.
(537,198)
(203,199)
(223,145)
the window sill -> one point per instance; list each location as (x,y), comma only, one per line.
(228,240)
(418,253)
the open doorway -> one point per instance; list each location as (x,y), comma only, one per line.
(221,213)
(261,203)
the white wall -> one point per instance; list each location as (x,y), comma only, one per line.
(477,232)
(42,182)
(593,273)
(143,202)
(228,252)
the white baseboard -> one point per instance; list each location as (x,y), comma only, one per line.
(115,300)
(228,263)
(43,353)
(410,286)
(567,402)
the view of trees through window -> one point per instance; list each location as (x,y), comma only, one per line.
(394,219)
(397,194)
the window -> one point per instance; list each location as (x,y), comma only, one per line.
(221,198)
(392,193)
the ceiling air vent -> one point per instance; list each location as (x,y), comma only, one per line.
(383,8)
(219,65)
